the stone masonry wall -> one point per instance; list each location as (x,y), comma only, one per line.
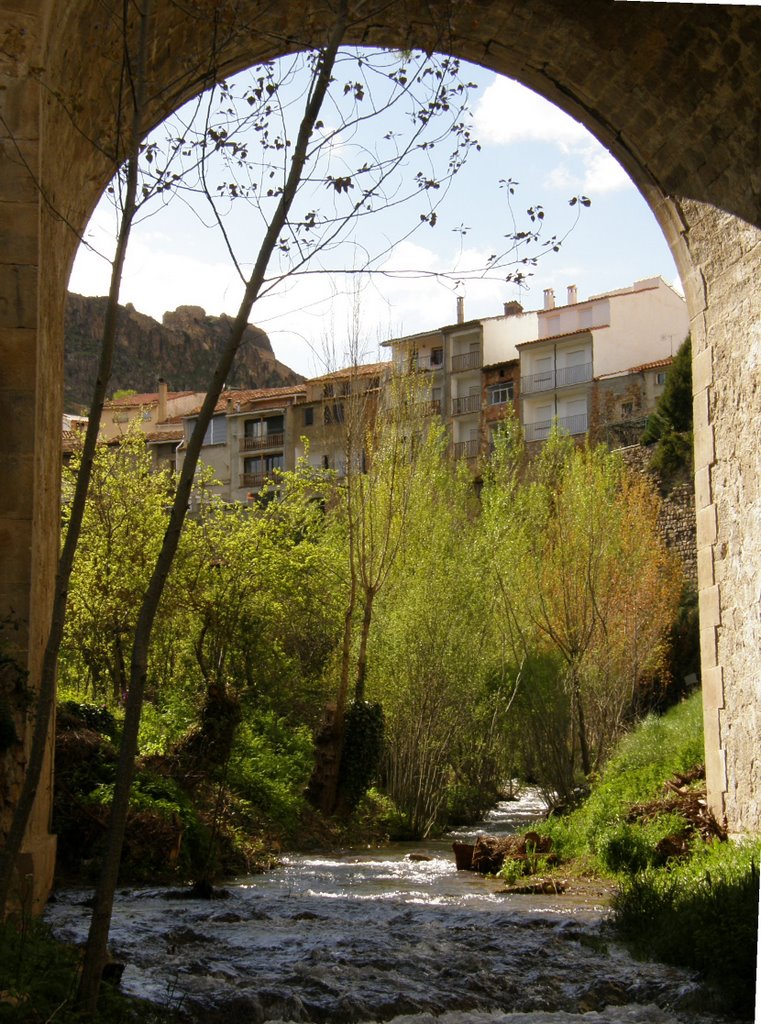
(677,514)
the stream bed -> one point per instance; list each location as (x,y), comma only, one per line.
(380,935)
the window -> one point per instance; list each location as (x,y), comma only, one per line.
(262,465)
(327,391)
(437,357)
(501,393)
(216,432)
(147,415)
(252,428)
(627,409)
(275,425)
(660,377)
(345,388)
(333,413)
(309,416)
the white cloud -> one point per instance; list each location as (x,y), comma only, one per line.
(590,171)
(509,112)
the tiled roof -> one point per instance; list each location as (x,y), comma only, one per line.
(71,440)
(566,334)
(246,397)
(147,398)
(169,436)
(656,364)
(361,370)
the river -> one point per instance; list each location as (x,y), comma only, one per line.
(373,935)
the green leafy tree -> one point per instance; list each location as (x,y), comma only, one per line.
(587,600)
(669,427)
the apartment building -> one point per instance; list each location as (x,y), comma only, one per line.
(597,362)
(471,366)
(594,366)
(582,347)
(154,412)
(253,434)
(337,406)
(250,435)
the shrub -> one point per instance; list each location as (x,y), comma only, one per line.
(660,747)
(270,765)
(702,914)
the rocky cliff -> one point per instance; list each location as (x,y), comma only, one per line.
(182,349)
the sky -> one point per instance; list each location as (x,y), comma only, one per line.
(173,260)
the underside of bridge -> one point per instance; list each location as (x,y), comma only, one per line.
(672,90)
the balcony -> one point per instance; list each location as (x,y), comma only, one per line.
(548,380)
(579,374)
(429,361)
(252,479)
(429,407)
(466,361)
(466,449)
(540,430)
(257,444)
(469,403)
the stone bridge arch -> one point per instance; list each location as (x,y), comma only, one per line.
(672,90)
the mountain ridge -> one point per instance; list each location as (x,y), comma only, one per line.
(182,349)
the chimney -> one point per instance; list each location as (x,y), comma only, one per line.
(162,399)
(513,308)
(549,298)
(460,309)
(573,298)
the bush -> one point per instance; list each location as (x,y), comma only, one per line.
(660,747)
(701,914)
(270,765)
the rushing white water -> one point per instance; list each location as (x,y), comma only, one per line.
(373,935)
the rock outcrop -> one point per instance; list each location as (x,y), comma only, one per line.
(183,349)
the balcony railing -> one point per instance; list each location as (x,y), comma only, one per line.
(547,380)
(252,479)
(578,374)
(256,444)
(429,407)
(540,430)
(466,361)
(429,362)
(468,403)
(465,449)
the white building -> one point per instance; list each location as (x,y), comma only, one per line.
(584,342)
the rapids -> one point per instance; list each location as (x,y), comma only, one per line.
(372,935)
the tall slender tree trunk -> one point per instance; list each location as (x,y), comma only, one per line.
(95,953)
(367,618)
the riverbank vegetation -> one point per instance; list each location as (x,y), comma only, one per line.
(683,893)
(464,638)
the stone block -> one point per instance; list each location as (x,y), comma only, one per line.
(18,296)
(710,606)
(705,569)
(713,687)
(708,648)
(703,487)
(707,526)
(19,224)
(705,448)
(17,181)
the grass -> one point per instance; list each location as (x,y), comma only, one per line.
(659,748)
(698,911)
(702,914)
